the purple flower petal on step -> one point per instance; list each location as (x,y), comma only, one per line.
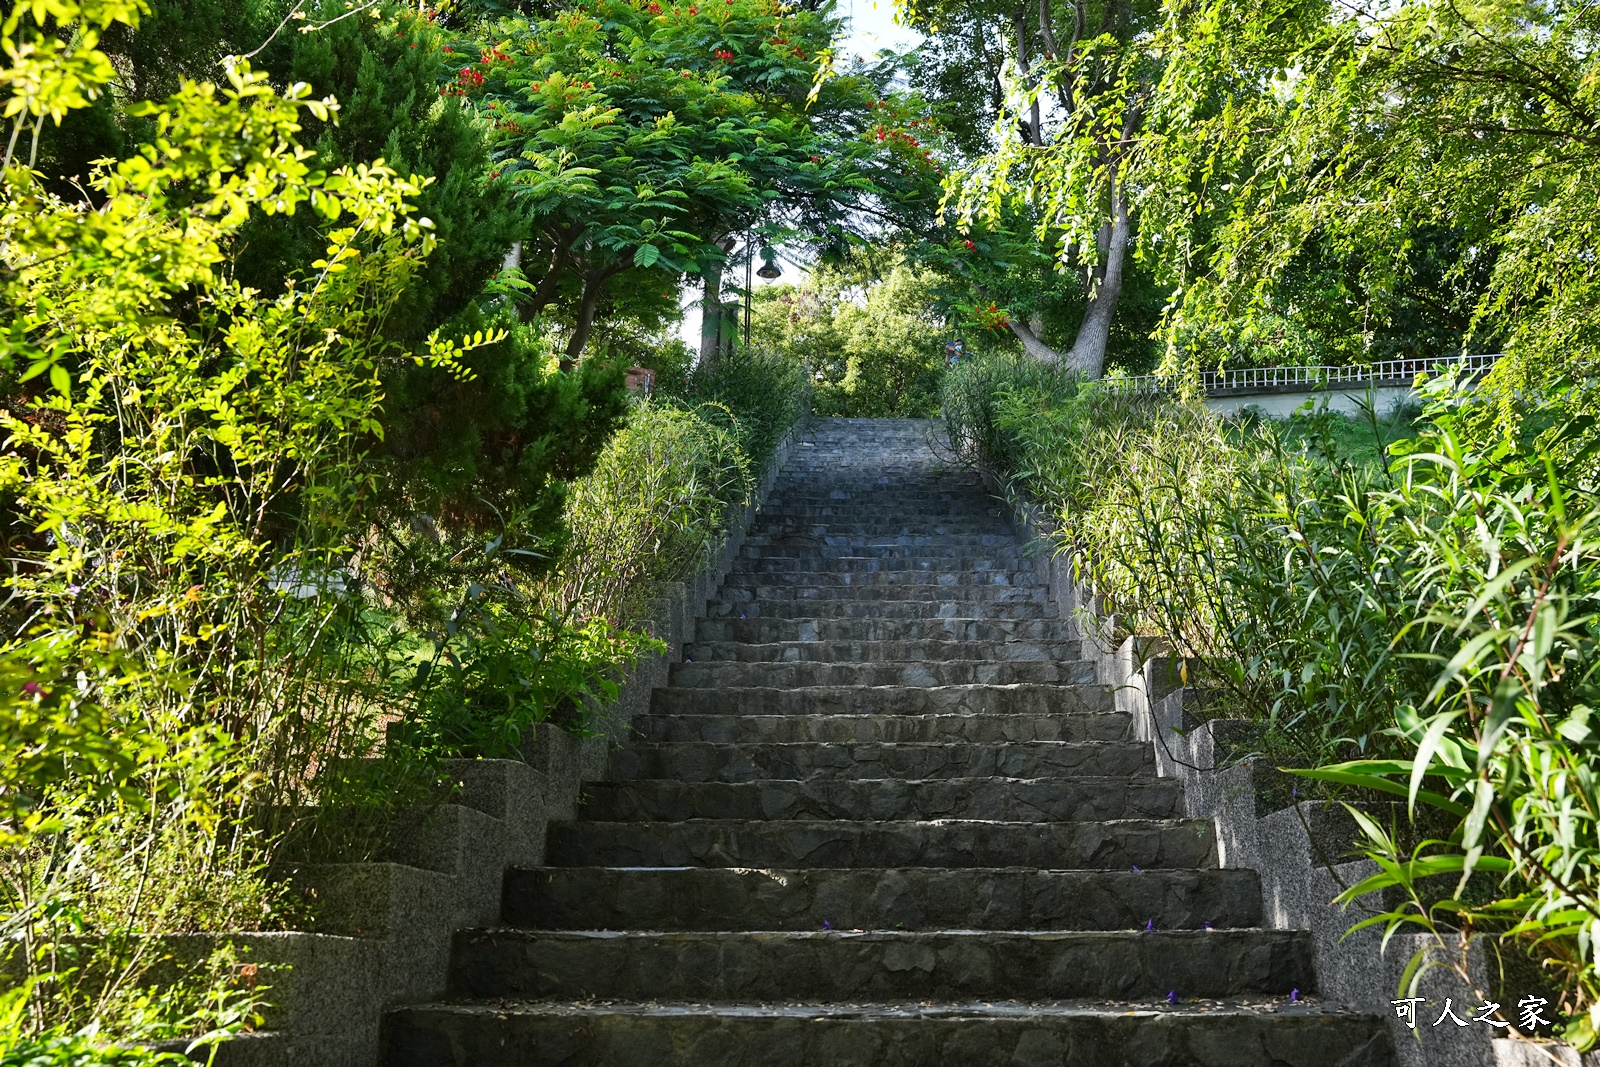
(826,925)
(1172,996)
(1294,996)
(1149,926)
(1136,870)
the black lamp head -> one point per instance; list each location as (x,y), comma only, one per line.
(769,268)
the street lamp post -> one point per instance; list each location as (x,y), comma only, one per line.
(749,261)
(769,270)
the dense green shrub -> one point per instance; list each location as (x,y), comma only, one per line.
(767,394)
(180,451)
(653,506)
(274,549)
(505,439)
(511,645)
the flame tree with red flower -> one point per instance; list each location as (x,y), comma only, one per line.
(634,136)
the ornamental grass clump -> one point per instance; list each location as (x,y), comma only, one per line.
(1238,546)
(654,506)
(1415,617)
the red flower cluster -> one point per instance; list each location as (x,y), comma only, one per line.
(724,55)
(992,318)
(654,9)
(969,245)
(886,134)
(470,78)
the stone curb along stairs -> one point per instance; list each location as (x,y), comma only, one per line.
(886,812)
(385,929)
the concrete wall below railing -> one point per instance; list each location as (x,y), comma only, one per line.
(384,929)
(1303,851)
(1281,403)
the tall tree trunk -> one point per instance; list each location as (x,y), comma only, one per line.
(594,283)
(1031,344)
(1088,353)
(1031,127)
(545,291)
(711,315)
(711,305)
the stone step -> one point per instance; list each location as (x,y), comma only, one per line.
(649,1033)
(879,498)
(826,480)
(726,729)
(914,898)
(887,965)
(980,519)
(780,546)
(698,761)
(863,519)
(968,598)
(882,527)
(790,631)
(854,561)
(883,779)
(1083,798)
(868,583)
(1001,606)
(880,651)
(907,673)
(885,700)
(1124,844)
(867,509)
(912,491)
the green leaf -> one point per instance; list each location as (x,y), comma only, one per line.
(1382,785)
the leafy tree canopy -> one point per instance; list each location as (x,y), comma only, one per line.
(1275,125)
(634,135)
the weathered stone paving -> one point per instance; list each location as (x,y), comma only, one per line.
(882,815)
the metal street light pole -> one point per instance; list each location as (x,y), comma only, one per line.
(749,261)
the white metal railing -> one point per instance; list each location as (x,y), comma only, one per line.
(1308,378)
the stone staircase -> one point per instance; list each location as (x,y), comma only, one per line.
(883,815)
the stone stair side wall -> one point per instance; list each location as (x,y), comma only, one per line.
(1301,850)
(384,929)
